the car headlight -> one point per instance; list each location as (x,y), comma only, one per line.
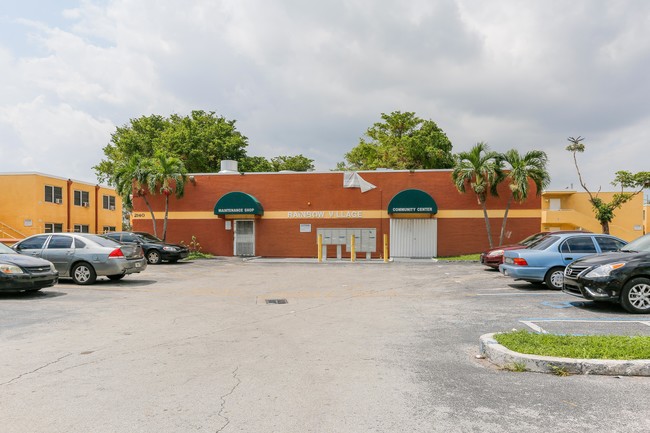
(52,268)
(173,249)
(604,270)
(10,269)
(495,253)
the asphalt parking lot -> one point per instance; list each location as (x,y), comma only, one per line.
(364,347)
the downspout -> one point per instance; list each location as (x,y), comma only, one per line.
(68,205)
(97,209)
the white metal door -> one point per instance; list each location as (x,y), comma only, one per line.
(244,238)
(413,238)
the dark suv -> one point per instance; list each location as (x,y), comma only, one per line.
(155,250)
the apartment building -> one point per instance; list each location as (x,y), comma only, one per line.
(34,203)
(571,210)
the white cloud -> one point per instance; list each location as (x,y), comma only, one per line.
(308,77)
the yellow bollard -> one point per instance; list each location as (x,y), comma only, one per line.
(353,252)
(385,248)
(320,248)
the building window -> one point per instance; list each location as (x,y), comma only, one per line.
(53,194)
(82,198)
(53,228)
(109,229)
(81,228)
(109,202)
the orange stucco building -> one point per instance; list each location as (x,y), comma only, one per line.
(37,203)
(282,214)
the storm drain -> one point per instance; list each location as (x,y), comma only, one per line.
(277,301)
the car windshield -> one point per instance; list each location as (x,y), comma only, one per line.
(104,242)
(149,237)
(532,239)
(5,249)
(543,243)
(641,244)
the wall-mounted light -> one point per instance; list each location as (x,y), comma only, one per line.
(192,179)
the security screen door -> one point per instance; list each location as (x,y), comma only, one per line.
(244,238)
(413,238)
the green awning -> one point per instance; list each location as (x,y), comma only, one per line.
(238,203)
(412,201)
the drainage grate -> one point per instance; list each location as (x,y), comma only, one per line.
(277,301)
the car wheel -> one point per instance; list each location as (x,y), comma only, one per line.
(116,277)
(153,257)
(83,274)
(635,296)
(554,278)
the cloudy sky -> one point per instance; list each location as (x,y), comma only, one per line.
(310,77)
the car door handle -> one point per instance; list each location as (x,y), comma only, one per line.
(568,258)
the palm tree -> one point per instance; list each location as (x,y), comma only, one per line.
(168,176)
(531,166)
(481,170)
(130,178)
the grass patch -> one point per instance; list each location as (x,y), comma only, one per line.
(572,346)
(464,258)
(193,255)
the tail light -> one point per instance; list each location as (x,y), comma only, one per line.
(117,252)
(519,261)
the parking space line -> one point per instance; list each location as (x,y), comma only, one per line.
(513,294)
(612,320)
(531,322)
(534,327)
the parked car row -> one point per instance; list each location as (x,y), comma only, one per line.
(597,267)
(39,261)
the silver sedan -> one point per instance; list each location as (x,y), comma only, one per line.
(83,257)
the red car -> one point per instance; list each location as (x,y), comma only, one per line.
(494,257)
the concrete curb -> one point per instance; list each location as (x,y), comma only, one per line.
(504,358)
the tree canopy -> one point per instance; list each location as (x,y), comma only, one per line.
(401,141)
(200,141)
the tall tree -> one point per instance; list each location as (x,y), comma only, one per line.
(529,167)
(200,141)
(603,211)
(168,177)
(480,169)
(401,141)
(131,178)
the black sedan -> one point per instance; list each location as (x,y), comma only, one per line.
(155,250)
(20,273)
(622,276)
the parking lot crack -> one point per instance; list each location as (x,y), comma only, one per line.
(35,370)
(223,400)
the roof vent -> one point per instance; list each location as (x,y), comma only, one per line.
(228,166)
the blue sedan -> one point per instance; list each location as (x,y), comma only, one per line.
(545,260)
